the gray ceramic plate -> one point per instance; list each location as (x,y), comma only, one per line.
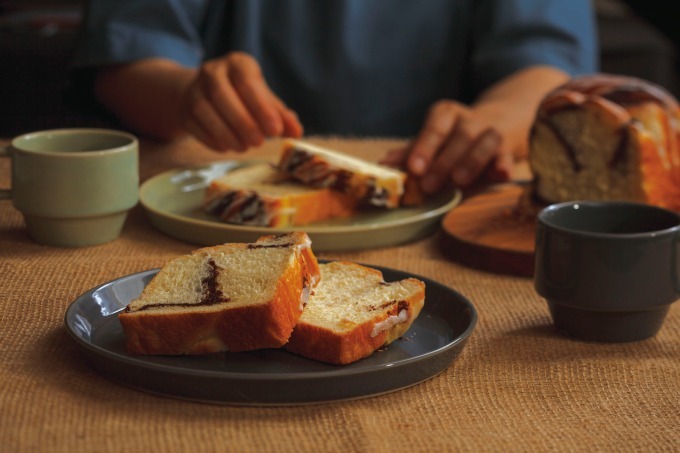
(270,377)
(172,201)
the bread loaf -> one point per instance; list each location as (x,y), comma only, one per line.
(607,137)
(353,312)
(234,297)
(259,195)
(370,183)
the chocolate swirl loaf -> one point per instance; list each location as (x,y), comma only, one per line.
(370,183)
(259,195)
(606,137)
(231,297)
(354,312)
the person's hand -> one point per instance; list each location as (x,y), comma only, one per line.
(456,144)
(229,106)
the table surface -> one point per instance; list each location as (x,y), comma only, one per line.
(518,385)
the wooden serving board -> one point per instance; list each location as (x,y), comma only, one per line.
(484,232)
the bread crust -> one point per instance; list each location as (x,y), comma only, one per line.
(357,341)
(223,327)
(302,162)
(301,206)
(605,137)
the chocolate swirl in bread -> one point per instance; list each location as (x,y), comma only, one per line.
(370,183)
(606,137)
(230,297)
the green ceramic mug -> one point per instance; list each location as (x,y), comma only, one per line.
(74,187)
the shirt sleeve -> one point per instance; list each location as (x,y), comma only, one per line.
(118,31)
(515,34)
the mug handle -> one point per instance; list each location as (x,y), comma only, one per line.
(675,263)
(5,152)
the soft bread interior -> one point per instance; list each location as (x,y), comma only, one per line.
(583,153)
(606,137)
(353,312)
(261,178)
(346,161)
(237,274)
(350,295)
(371,183)
(261,195)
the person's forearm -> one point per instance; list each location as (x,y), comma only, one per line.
(146,95)
(512,103)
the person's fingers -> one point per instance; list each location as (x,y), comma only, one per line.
(435,131)
(480,154)
(220,92)
(458,144)
(291,123)
(241,110)
(228,141)
(470,147)
(246,76)
(467,151)
(206,124)
(501,169)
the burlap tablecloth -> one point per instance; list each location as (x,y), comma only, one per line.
(516,386)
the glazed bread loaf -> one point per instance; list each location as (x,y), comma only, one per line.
(259,195)
(234,297)
(607,137)
(370,183)
(353,312)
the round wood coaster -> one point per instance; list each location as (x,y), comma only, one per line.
(484,232)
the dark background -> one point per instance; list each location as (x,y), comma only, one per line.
(637,38)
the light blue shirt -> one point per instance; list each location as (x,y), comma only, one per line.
(353,67)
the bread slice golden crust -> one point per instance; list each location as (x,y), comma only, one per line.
(259,195)
(353,312)
(234,297)
(606,137)
(370,183)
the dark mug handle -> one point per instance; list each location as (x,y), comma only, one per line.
(675,263)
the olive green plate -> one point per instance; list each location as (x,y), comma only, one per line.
(172,201)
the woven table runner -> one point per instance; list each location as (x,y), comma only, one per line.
(517,385)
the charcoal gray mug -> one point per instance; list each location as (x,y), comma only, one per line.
(74,187)
(608,270)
